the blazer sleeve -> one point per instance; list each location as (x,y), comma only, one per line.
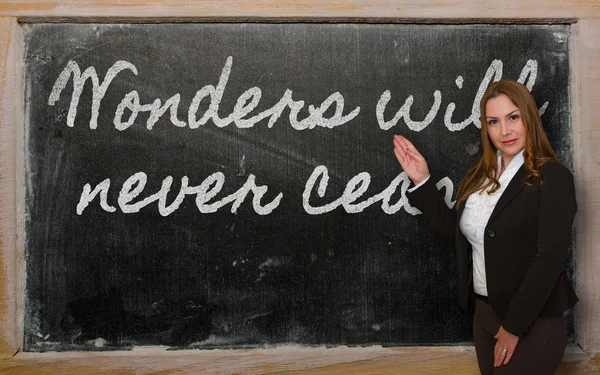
(431,203)
(557,208)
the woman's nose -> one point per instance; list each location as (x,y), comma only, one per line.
(504,128)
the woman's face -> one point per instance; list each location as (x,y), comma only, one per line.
(505,127)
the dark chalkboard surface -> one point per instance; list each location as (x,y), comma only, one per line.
(231,185)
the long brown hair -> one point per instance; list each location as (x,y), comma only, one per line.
(482,174)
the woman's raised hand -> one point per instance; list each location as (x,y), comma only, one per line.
(410,159)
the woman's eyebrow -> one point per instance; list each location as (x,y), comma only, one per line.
(511,113)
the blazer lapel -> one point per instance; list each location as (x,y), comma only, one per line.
(514,186)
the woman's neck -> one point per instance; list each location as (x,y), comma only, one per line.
(504,162)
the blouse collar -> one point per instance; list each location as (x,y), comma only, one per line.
(514,164)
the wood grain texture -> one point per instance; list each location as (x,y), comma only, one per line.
(283,360)
(271,9)
(11,102)
(587,160)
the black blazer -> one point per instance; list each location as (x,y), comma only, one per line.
(526,244)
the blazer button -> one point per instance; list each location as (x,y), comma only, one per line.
(491,233)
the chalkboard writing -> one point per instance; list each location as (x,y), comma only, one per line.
(231,185)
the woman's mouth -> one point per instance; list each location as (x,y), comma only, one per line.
(509,142)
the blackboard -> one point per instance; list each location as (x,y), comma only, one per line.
(132,240)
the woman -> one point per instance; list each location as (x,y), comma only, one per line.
(511,227)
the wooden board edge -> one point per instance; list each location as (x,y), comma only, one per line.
(312,9)
(588,233)
(19,140)
(287,359)
(578,170)
(11,114)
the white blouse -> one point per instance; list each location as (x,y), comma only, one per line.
(477,212)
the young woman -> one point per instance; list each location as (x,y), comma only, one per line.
(510,227)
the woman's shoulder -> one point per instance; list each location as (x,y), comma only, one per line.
(554,170)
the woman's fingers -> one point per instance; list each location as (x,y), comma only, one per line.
(400,142)
(509,355)
(408,149)
(505,347)
(501,357)
(410,159)
(414,154)
(402,148)
(400,157)
(407,145)
(403,159)
(497,355)
(400,153)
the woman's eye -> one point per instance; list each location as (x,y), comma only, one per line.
(514,117)
(492,122)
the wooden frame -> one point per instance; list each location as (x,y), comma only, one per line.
(585,58)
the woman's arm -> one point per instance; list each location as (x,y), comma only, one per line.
(429,200)
(426,198)
(557,208)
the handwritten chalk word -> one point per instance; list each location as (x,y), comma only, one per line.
(357,186)
(206,191)
(249,100)
(494,72)
(133,187)
(246,103)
